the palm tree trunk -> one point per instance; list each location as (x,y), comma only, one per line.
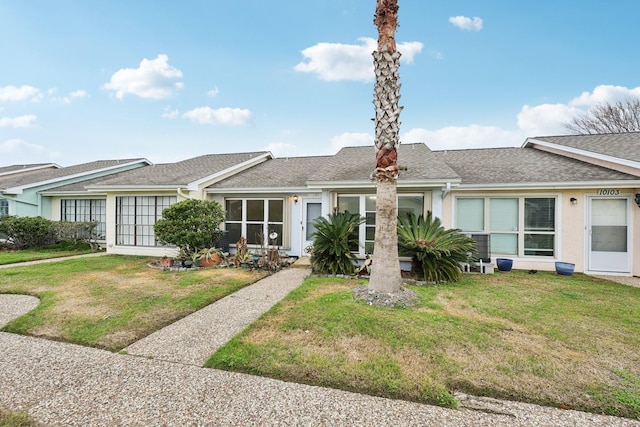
(385,269)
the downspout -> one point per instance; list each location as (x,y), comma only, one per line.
(181,194)
(446,190)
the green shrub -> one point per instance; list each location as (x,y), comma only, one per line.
(191,225)
(28,232)
(436,252)
(334,239)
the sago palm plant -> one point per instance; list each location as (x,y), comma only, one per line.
(334,239)
(436,252)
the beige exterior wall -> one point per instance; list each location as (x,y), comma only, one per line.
(571,227)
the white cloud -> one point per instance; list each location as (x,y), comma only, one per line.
(545,119)
(605,93)
(153,79)
(213,92)
(464,137)
(17,122)
(17,151)
(223,116)
(350,139)
(337,61)
(467,24)
(169,113)
(22,93)
(77,94)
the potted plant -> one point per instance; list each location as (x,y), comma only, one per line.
(209,257)
(564,268)
(166,262)
(504,264)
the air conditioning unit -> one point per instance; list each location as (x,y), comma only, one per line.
(483,241)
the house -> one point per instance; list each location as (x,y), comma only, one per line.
(559,198)
(23,189)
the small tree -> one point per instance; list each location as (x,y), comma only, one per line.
(334,240)
(191,225)
(436,252)
(620,117)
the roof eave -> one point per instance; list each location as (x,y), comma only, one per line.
(435,183)
(603,157)
(272,190)
(132,188)
(19,189)
(548,185)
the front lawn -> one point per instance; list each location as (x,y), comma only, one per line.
(33,254)
(112,301)
(571,342)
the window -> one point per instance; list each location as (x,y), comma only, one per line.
(365,205)
(519,226)
(255,219)
(4,207)
(86,210)
(136,216)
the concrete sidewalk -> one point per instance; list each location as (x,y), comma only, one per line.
(63,384)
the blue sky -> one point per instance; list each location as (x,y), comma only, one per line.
(167,80)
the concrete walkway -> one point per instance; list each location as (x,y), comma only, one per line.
(194,338)
(70,385)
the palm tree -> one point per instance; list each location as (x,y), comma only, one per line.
(385,270)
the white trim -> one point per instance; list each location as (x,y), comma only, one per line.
(549,185)
(254,190)
(585,153)
(19,189)
(31,169)
(427,184)
(588,224)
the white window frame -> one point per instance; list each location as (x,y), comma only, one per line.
(143,223)
(520,231)
(284,239)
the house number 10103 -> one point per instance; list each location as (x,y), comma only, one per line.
(608,192)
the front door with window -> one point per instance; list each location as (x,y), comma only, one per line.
(608,235)
(311,210)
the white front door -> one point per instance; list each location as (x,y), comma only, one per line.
(609,235)
(311,210)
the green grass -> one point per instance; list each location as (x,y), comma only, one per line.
(47,252)
(16,419)
(111,301)
(546,339)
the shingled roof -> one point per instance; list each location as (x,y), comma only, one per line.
(523,165)
(182,173)
(620,145)
(52,175)
(292,172)
(349,165)
(26,168)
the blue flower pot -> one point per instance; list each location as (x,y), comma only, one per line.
(564,268)
(504,264)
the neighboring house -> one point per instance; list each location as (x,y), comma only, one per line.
(563,198)
(15,170)
(23,189)
(134,200)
